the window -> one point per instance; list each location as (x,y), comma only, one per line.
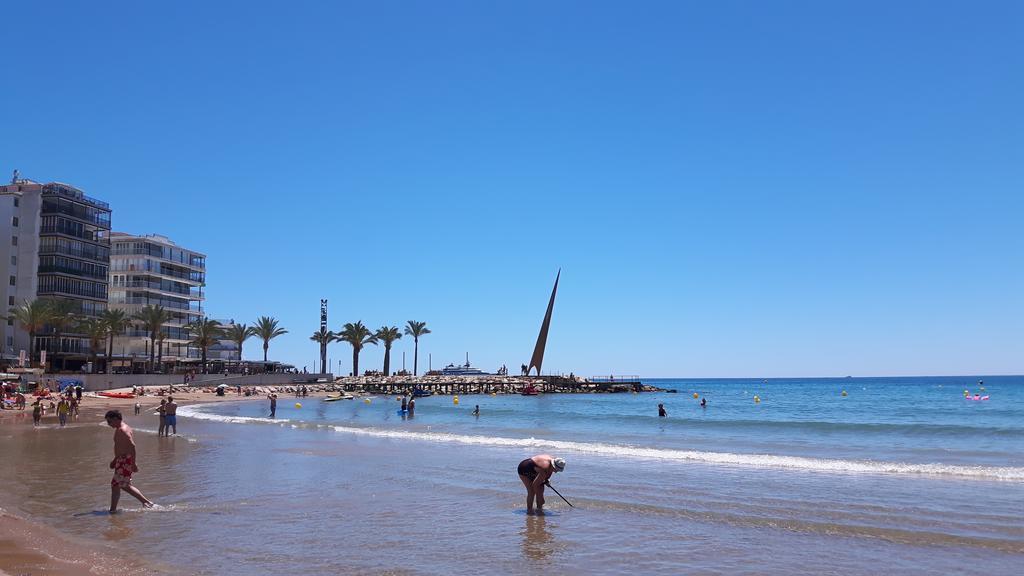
(10,300)
(10,340)
(10,321)
(14,260)
(14,221)
(17,201)
(14,240)
(14,280)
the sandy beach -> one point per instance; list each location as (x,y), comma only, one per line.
(806,481)
(31,547)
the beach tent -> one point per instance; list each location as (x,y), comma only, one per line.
(63,383)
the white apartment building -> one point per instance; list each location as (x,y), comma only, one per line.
(153,270)
(54,244)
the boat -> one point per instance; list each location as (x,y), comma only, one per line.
(421,393)
(462,370)
(338,396)
(116,394)
(530,390)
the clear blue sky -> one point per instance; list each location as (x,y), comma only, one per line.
(730,188)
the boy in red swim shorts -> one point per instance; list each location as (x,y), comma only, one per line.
(123,463)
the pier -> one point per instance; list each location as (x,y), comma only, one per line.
(492,384)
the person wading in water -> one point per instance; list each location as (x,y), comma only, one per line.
(535,473)
(123,463)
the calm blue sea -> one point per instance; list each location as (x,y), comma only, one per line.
(922,425)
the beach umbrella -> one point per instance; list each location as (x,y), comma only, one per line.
(222,386)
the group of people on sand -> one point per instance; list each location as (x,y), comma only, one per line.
(66,407)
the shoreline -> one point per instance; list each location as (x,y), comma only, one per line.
(29,546)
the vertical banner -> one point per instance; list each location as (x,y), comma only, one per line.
(21,358)
(42,358)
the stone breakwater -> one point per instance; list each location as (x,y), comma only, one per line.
(486,384)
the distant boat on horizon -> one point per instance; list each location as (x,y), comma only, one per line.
(463,370)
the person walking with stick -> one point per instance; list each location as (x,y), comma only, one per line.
(535,473)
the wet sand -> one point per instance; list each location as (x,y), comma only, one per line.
(30,547)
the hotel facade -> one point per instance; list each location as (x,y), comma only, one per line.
(152,270)
(56,245)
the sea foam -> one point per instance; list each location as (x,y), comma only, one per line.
(762,461)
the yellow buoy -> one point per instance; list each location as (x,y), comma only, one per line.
(455,400)
(297,405)
(695,396)
(757,399)
(844,392)
(367,400)
(493,394)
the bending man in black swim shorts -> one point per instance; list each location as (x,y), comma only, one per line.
(535,473)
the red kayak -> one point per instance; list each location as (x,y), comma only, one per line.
(116,394)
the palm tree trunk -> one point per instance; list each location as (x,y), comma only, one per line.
(387,360)
(355,361)
(323,358)
(33,347)
(152,349)
(416,356)
(204,359)
(56,336)
(160,355)
(266,344)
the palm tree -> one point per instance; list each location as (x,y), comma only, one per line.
(117,321)
(323,336)
(153,319)
(96,330)
(63,318)
(32,317)
(205,333)
(416,329)
(387,335)
(358,336)
(160,337)
(239,333)
(266,328)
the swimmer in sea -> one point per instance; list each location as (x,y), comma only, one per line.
(661,411)
(535,473)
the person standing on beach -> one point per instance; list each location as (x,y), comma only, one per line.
(162,412)
(535,473)
(37,412)
(273,404)
(124,462)
(172,417)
